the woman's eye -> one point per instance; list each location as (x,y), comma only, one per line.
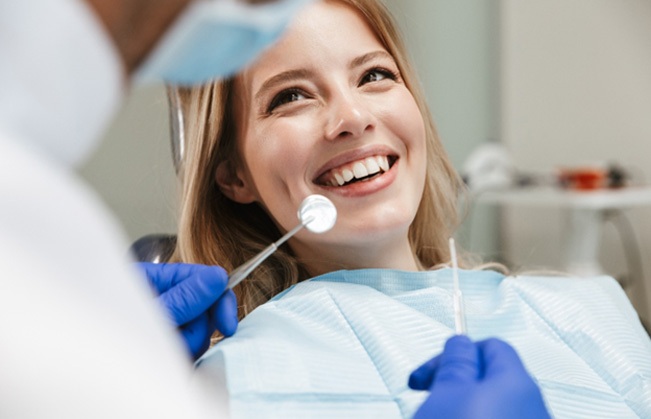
(284,97)
(377,74)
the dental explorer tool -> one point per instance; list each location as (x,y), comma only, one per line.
(459,314)
(316,213)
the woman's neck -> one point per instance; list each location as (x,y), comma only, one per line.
(381,255)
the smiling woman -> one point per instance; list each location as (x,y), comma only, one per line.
(331,112)
(341,104)
(335,109)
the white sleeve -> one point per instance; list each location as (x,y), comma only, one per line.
(61,77)
(82,336)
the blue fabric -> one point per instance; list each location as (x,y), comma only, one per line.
(343,344)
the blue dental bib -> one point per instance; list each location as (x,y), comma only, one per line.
(343,344)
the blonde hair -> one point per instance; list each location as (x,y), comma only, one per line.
(215,230)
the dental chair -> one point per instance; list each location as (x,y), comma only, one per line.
(155,248)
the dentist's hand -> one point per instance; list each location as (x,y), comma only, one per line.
(192,297)
(477,380)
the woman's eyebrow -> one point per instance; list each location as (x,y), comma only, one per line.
(363,59)
(281,78)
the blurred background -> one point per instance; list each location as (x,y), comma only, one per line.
(554,83)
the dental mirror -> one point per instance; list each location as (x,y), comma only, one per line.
(317,213)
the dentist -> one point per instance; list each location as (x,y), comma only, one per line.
(81,334)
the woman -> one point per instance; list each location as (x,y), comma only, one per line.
(205,237)
(335,109)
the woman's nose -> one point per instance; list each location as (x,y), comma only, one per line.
(349,117)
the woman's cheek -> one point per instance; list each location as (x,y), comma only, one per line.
(278,150)
(412,121)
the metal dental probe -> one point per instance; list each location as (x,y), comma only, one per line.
(317,213)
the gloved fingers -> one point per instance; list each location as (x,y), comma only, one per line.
(163,276)
(499,357)
(152,272)
(195,294)
(224,313)
(504,368)
(459,363)
(182,271)
(421,378)
(197,335)
(453,375)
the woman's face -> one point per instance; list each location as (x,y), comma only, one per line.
(325,111)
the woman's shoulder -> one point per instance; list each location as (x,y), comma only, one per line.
(599,298)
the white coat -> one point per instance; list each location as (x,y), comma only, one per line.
(81,335)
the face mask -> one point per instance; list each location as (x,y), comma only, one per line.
(215,38)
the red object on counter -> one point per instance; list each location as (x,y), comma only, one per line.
(584,178)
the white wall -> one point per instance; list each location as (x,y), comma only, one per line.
(133,170)
(576,85)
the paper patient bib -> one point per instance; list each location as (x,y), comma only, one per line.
(344,344)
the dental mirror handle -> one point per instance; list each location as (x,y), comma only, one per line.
(242,271)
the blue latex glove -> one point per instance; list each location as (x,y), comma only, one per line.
(482,380)
(194,298)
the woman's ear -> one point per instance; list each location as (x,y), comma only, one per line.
(233,185)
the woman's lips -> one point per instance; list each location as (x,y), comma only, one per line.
(366,185)
(355,171)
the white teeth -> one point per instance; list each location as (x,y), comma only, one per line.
(360,170)
(384,163)
(372,166)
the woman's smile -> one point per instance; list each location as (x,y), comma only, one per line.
(358,172)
